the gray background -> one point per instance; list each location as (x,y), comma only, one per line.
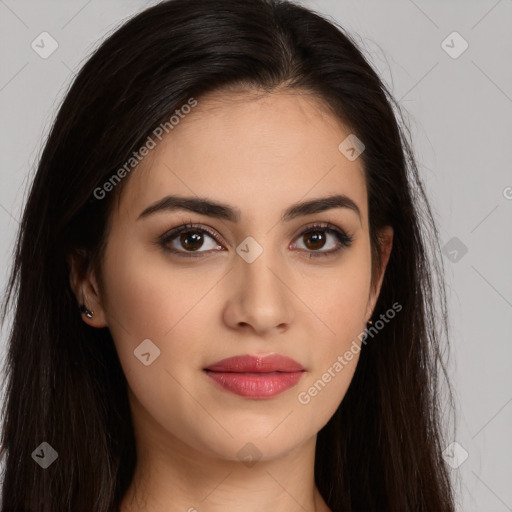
(460,114)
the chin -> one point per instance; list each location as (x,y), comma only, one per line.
(252,444)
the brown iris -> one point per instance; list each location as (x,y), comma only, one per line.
(318,238)
(191,240)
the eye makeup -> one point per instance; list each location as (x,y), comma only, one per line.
(316,230)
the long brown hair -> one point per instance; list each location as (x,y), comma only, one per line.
(382,448)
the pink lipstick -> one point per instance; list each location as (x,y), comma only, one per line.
(256,377)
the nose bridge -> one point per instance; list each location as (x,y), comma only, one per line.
(257,267)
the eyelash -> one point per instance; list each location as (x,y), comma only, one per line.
(344,239)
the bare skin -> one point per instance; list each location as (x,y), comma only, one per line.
(259,154)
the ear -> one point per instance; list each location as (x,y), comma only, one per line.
(85,287)
(386,243)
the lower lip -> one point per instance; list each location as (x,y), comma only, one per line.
(256,385)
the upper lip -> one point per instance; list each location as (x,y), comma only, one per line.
(256,364)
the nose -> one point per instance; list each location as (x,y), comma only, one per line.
(259,296)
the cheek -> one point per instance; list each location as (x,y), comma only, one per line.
(340,306)
(151,299)
(149,296)
(166,306)
(339,298)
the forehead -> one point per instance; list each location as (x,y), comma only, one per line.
(252,150)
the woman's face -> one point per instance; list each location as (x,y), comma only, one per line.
(253,285)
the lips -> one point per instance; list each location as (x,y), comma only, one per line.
(256,364)
(256,377)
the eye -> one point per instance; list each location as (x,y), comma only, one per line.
(187,240)
(190,238)
(316,237)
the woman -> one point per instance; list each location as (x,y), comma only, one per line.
(223,295)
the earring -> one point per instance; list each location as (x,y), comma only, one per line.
(370,322)
(85,311)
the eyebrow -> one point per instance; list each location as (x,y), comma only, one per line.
(218,210)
